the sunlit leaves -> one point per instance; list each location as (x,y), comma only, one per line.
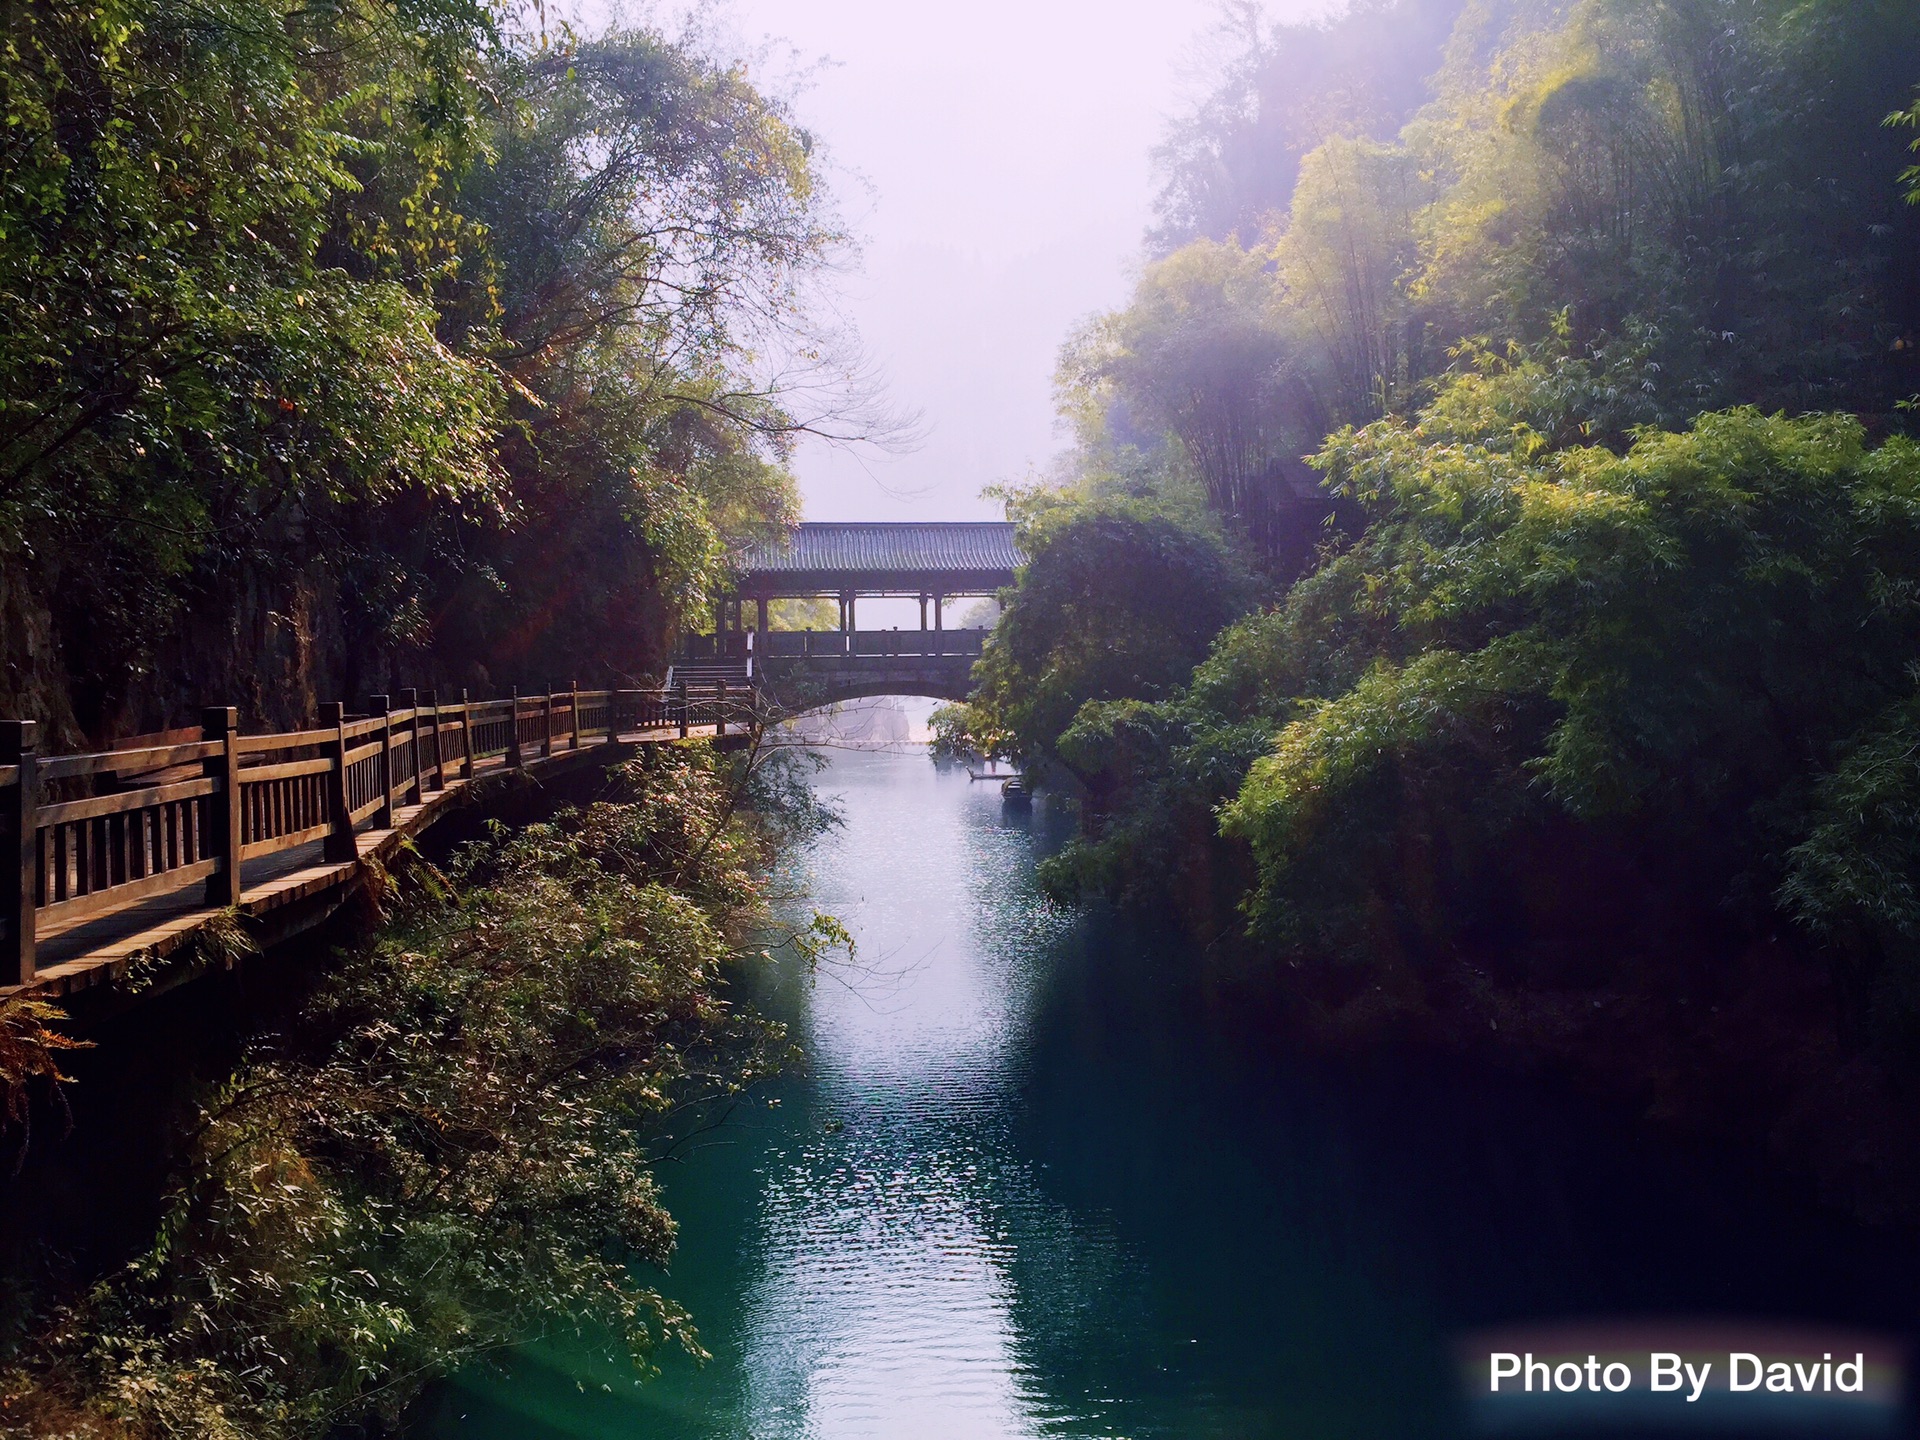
(455,1149)
(385,317)
(1681,635)
(1909,119)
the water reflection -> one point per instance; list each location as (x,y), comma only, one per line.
(1041,1179)
(883,1304)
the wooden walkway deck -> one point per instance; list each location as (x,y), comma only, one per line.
(294,870)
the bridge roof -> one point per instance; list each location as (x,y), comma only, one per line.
(885,553)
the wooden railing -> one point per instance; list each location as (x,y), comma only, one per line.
(828,644)
(87,834)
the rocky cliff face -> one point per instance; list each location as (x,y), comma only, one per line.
(274,647)
(33,680)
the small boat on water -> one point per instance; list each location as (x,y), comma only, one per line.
(1013,785)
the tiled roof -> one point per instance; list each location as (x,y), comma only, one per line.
(933,547)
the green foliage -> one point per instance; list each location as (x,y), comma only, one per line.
(385,330)
(1682,638)
(1690,196)
(189,354)
(962,732)
(1574,620)
(819,613)
(1696,174)
(1909,119)
(1117,600)
(1204,356)
(1852,880)
(455,1149)
(1230,165)
(1861,862)
(643,209)
(952,730)
(1554,684)
(29,1053)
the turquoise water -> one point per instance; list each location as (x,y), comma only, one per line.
(1043,1177)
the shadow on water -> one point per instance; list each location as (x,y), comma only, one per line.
(1041,1179)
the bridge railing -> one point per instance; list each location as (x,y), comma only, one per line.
(729,645)
(84,835)
(825,644)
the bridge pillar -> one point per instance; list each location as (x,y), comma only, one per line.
(410,701)
(430,700)
(380,706)
(222,723)
(20,889)
(923,610)
(339,846)
(762,627)
(939,604)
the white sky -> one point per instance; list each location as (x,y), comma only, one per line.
(992,157)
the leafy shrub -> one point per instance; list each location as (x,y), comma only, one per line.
(1115,601)
(454,1151)
(1681,640)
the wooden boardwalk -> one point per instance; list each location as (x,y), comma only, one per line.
(143,862)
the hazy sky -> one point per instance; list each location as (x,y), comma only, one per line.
(992,156)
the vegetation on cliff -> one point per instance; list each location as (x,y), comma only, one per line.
(453,1149)
(1556,400)
(369,343)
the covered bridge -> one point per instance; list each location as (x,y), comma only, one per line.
(928,561)
(931,561)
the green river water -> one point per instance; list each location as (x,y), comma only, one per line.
(1041,1177)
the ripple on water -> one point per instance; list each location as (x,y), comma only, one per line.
(1023,1190)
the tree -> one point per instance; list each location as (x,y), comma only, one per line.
(1909,119)
(211,347)
(1686,194)
(367,340)
(645,211)
(1229,167)
(1663,649)
(1200,356)
(454,1147)
(1114,602)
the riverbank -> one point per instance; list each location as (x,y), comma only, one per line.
(451,1146)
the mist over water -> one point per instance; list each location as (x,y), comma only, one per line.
(1041,1178)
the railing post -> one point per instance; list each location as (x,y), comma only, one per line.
(573,688)
(431,699)
(613,717)
(222,723)
(546,722)
(381,708)
(680,697)
(410,702)
(720,710)
(466,736)
(19,747)
(339,846)
(515,760)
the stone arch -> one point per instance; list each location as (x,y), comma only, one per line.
(825,680)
